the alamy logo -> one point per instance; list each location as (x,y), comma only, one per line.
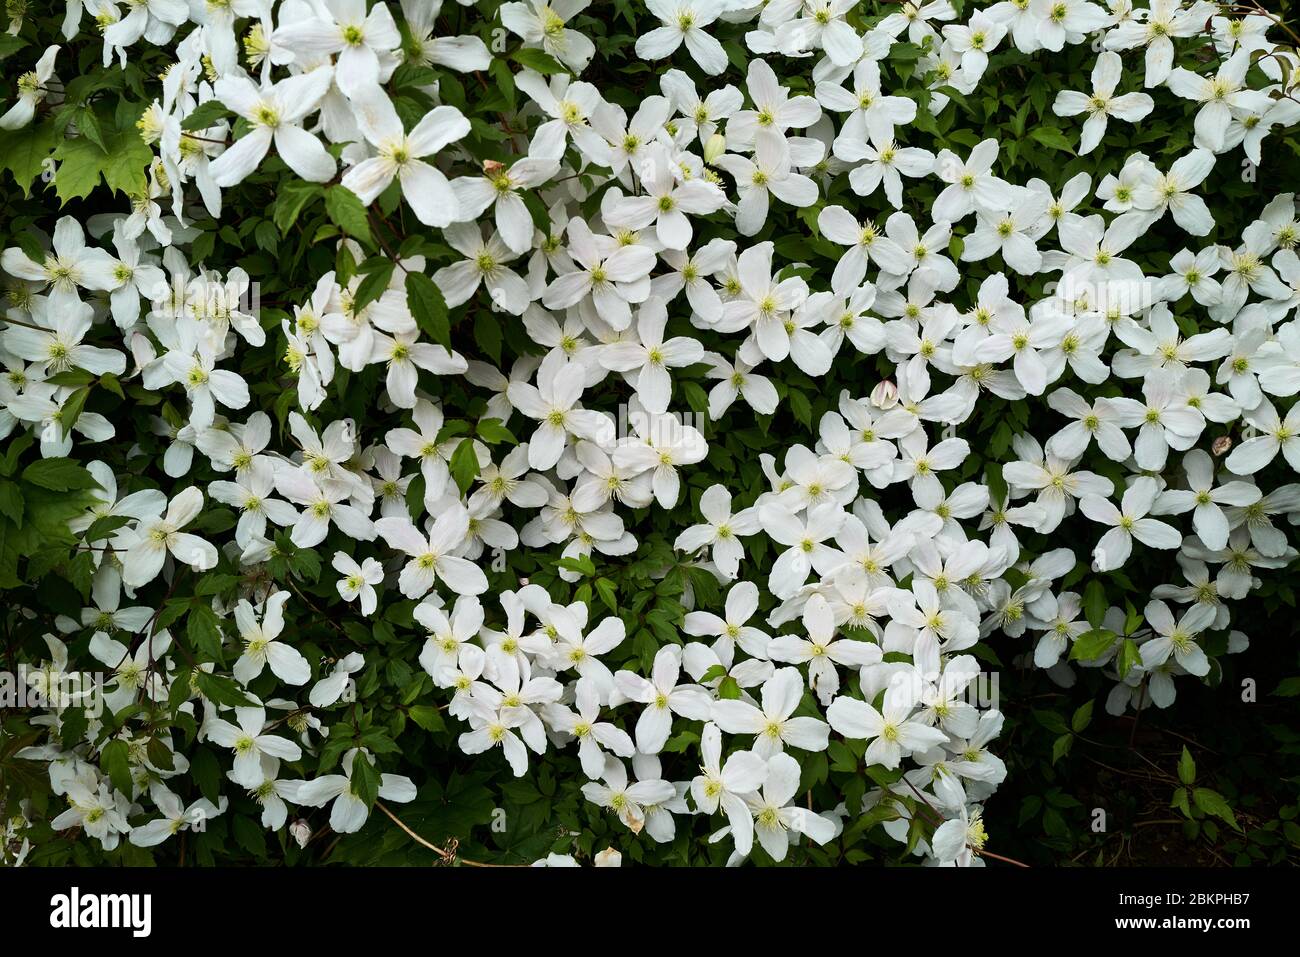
(74,910)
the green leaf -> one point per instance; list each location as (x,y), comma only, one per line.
(305,564)
(74,378)
(88,126)
(713,674)
(59,475)
(1288,688)
(221,690)
(1213,803)
(365,780)
(579,565)
(126,162)
(373,285)
(1051,721)
(1180,802)
(1082,717)
(11,502)
(538,61)
(464,464)
(427,717)
(1091,645)
(205,115)
(115,760)
(24,151)
(348,213)
(427,305)
(72,409)
(160,756)
(16,447)
(292,198)
(801,407)
(80,162)
(10,44)
(105,526)
(608,594)
(493,432)
(1061,747)
(487,334)
(206,771)
(250,835)
(203,629)
(111,383)
(1095,602)
(1052,137)
(1129,657)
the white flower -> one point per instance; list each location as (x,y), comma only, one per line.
(175,818)
(1279,434)
(975,40)
(433,558)
(1176,639)
(660,445)
(1218,96)
(663,698)
(249,742)
(542,23)
(821,651)
(773,725)
(401,155)
(72,263)
(484,264)
(274,113)
(611,274)
(893,733)
(54,339)
(553,403)
(32,90)
(775,817)
(1165,20)
(348,813)
(727,785)
(161,534)
(330,688)
(770,173)
(500,190)
(667,200)
(721,530)
(323,505)
(774,108)
(261,647)
(871,113)
(1102,102)
(629,802)
(1203,499)
(972,184)
(362,41)
(1127,522)
(684,21)
(645,360)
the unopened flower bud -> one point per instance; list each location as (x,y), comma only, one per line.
(300,831)
(492,168)
(884,395)
(1221,445)
(715,147)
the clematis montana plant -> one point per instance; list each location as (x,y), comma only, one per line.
(644,420)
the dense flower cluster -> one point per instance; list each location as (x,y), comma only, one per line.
(765,211)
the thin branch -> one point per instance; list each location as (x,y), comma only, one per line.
(448,856)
